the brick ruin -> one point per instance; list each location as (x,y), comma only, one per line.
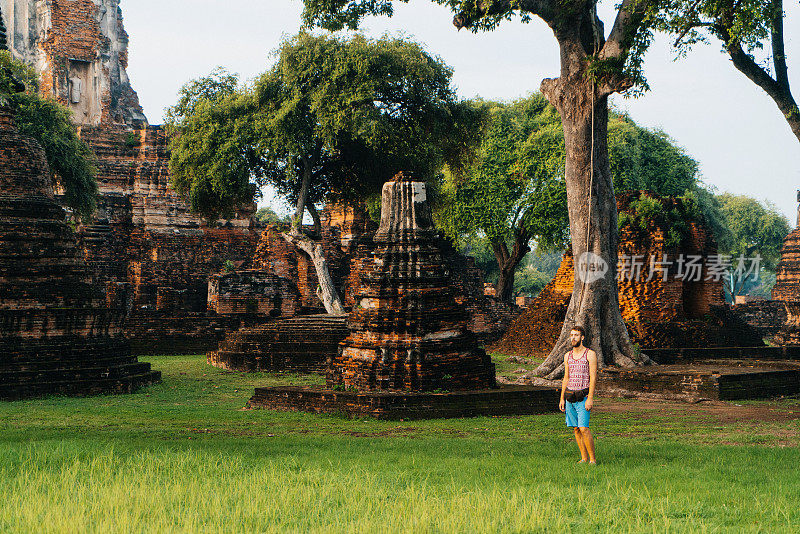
(281,278)
(57,334)
(144,243)
(658,313)
(786,293)
(409,353)
(407,332)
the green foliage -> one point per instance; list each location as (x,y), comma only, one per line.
(71,161)
(646,212)
(747,22)
(516,182)
(212,88)
(756,228)
(267,215)
(535,272)
(350,112)
(131,140)
(480,16)
(641,158)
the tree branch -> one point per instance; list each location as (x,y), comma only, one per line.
(779,93)
(312,209)
(629,19)
(546,9)
(778,51)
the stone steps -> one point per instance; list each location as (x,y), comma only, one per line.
(301,344)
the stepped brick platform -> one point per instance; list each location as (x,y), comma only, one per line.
(727,379)
(688,355)
(56,333)
(303,344)
(507,400)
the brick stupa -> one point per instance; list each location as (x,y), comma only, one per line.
(409,353)
(57,336)
(407,330)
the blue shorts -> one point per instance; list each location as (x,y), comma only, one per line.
(577,414)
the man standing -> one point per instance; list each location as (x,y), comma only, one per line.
(577,391)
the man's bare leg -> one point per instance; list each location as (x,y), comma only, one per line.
(581,445)
(588,443)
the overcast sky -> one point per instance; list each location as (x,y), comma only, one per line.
(718,116)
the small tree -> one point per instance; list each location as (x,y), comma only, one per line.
(514,192)
(332,120)
(754,229)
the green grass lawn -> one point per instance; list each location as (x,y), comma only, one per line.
(183,456)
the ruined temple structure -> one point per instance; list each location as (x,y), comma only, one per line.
(282,284)
(80,50)
(142,234)
(56,333)
(662,311)
(409,352)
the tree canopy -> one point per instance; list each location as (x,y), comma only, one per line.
(515,193)
(345,114)
(70,159)
(754,229)
(332,120)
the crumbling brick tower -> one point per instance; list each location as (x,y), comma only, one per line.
(407,330)
(143,233)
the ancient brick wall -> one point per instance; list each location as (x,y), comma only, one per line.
(56,333)
(765,316)
(143,233)
(254,292)
(183,262)
(80,50)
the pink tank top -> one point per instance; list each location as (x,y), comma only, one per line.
(578,371)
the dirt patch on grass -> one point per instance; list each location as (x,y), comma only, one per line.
(721,412)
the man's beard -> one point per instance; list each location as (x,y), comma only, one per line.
(576,343)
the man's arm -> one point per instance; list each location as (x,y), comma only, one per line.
(564,381)
(591,356)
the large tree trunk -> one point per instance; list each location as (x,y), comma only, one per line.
(327,291)
(507,262)
(592,206)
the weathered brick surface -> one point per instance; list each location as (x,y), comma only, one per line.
(68,40)
(56,335)
(787,274)
(252,292)
(765,316)
(728,380)
(143,233)
(300,344)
